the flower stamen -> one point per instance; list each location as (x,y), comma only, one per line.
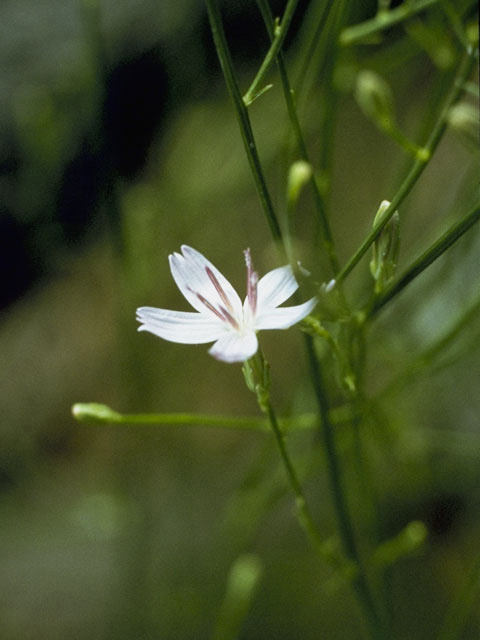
(229,318)
(219,289)
(209,305)
(252,281)
(222,314)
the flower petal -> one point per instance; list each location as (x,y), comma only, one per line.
(191,274)
(284,317)
(234,347)
(180,326)
(275,287)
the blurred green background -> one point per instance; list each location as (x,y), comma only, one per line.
(119,143)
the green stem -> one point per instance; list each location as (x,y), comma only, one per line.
(278,36)
(305,517)
(329,110)
(360,583)
(300,141)
(455,22)
(457,613)
(304,513)
(383,20)
(243,121)
(419,164)
(314,36)
(383,5)
(91,15)
(440,345)
(361,586)
(100,413)
(401,139)
(427,357)
(454,233)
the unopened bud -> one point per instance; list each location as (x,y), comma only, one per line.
(299,174)
(472,33)
(375,99)
(94,412)
(249,376)
(464,118)
(406,542)
(242,581)
(385,249)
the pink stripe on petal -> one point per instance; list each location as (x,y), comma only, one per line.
(185,280)
(199,264)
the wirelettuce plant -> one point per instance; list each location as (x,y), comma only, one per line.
(335,320)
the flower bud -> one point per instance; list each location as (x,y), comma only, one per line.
(385,249)
(94,412)
(375,99)
(406,542)
(249,376)
(299,174)
(242,581)
(463,118)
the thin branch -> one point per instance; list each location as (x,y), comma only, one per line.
(457,613)
(243,121)
(328,240)
(279,34)
(383,20)
(360,583)
(454,233)
(99,413)
(419,165)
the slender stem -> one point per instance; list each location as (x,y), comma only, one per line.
(278,37)
(243,121)
(428,356)
(98,413)
(383,20)
(383,5)
(328,240)
(322,548)
(91,15)
(442,343)
(313,36)
(329,112)
(326,36)
(457,613)
(355,348)
(304,513)
(454,233)
(455,22)
(401,139)
(360,583)
(419,164)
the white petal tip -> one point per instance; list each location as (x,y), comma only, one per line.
(186,249)
(234,348)
(330,286)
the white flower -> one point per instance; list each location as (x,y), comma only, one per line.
(221,316)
